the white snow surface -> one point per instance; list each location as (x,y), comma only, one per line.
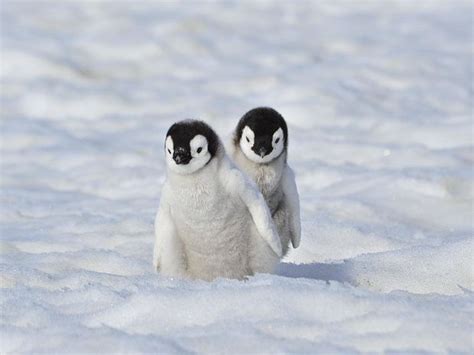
(378,98)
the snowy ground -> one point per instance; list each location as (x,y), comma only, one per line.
(378,97)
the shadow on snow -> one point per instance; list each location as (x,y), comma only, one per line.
(327,272)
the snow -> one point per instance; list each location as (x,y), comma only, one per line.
(378,98)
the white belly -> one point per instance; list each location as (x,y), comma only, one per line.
(214,229)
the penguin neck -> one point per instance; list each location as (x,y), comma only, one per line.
(245,162)
(267,176)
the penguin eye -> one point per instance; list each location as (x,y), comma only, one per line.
(199,150)
(169,151)
(247,138)
(277,140)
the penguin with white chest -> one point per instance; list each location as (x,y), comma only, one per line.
(260,145)
(211,215)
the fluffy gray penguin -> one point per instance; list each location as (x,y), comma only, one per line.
(260,146)
(212,220)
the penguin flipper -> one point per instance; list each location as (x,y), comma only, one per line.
(290,191)
(236,183)
(168,251)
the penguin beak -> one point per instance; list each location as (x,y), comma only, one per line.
(181,158)
(262,147)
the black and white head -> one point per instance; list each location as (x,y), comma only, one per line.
(262,135)
(189,146)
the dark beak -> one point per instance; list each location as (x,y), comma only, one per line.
(181,158)
(262,146)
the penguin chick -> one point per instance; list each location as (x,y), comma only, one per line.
(260,149)
(210,213)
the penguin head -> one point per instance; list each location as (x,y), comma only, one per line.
(262,135)
(189,146)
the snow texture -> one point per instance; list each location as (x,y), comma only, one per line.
(378,98)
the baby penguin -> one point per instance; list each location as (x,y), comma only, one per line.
(260,148)
(212,220)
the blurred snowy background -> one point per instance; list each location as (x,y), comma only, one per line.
(378,96)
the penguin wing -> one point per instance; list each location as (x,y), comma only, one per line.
(164,229)
(293,201)
(237,184)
